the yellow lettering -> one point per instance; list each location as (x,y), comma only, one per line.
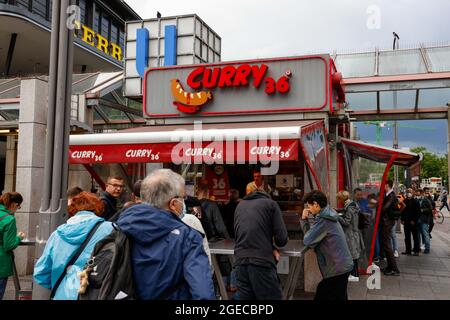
(102,44)
(116,51)
(88,35)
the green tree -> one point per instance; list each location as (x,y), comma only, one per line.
(432,165)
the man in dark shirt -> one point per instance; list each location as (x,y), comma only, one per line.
(114,189)
(425,218)
(228,211)
(258,223)
(212,211)
(389,213)
(410,219)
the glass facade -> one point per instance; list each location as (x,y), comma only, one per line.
(92,15)
(362,101)
(400,99)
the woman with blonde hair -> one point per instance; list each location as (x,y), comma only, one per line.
(349,219)
(9,238)
(82,231)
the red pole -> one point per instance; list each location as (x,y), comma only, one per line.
(380,204)
(94,175)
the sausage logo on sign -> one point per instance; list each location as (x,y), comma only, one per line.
(188,102)
(227,77)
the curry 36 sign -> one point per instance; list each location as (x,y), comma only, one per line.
(227,77)
(261,86)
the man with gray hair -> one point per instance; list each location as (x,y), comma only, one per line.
(167,256)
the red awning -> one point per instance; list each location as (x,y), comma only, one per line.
(211,143)
(380,154)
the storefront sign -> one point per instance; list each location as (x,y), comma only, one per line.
(227,77)
(260,86)
(205,152)
(95,39)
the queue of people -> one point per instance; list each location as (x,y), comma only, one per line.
(170,234)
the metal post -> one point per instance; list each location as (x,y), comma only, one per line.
(53,204)
(448,146)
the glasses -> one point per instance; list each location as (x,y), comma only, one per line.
(116,186)
(180,197)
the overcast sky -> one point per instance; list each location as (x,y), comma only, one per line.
(269,28)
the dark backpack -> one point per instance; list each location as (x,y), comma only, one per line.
(109,271)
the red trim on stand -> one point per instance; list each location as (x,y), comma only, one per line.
(94,175)
(380,205)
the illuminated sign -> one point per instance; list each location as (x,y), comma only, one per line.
(95,39)
(226,77)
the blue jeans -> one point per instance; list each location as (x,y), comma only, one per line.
(394,237)
(424,231)
(3,282)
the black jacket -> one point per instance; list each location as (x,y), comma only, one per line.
(258,223)
(110,205)
(212,212)
(228,212)
(389,208)
(426,211)
(411,211)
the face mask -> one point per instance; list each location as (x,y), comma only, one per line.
(184,212)
(409,195)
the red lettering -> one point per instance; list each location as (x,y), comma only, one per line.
(210,78)
(258,74)
(242,73)
(191,81)
(226,76)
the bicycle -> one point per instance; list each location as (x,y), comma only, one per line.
(439,216)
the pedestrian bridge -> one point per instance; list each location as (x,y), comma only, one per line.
(405,84)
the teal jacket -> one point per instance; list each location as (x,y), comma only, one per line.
(8,242)
(61,246)
(327,238)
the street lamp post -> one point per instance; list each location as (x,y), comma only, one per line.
(54,204)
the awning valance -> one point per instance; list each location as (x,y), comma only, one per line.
(211,143)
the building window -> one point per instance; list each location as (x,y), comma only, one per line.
(97,22)
(24,4)
(82,5)
(114,33)
(40,8)
(105,26)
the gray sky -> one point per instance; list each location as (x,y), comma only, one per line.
(271,28)
(253,29)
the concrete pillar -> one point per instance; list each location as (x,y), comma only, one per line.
(30,164)
(79,177)
(10,165)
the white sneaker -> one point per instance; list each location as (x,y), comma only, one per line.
(353,279)
(396,254)
(422,247)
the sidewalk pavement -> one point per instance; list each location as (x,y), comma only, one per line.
(426,277)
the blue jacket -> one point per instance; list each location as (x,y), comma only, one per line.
(166,254)
(59,249)
(327,238)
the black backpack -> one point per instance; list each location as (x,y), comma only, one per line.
(109,271)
